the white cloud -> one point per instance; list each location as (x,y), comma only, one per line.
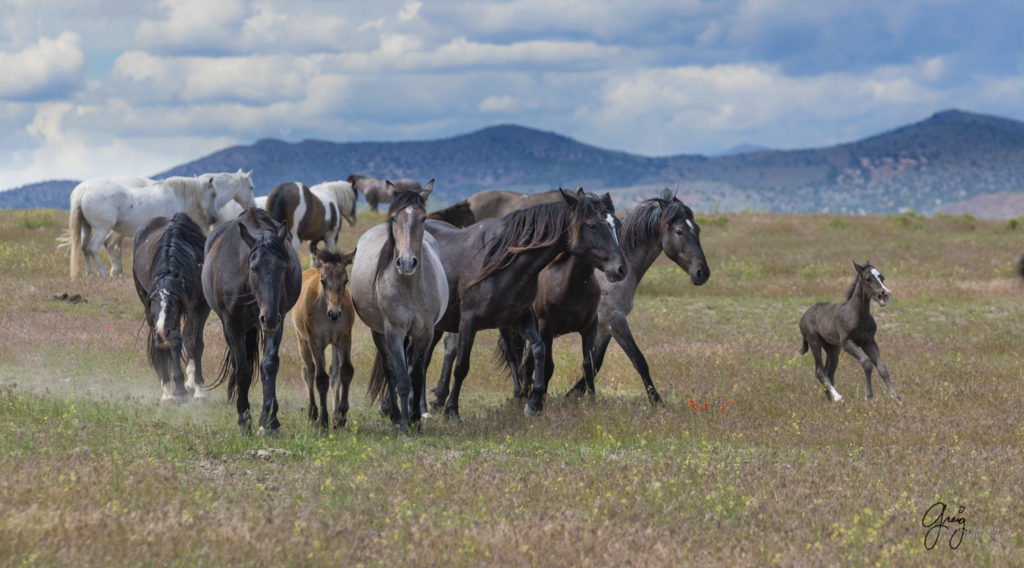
(499,104)
(410,11)
(47,69)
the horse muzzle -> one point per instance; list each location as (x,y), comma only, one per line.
(269,323)
(700,275)
(615,272)
(883,298)
(334,315)
(407,265)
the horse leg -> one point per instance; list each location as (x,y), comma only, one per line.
(194,346)
(528,329)
(467,333)
(872,351)
(602,339)
(242,348)
(309,370)
(865,362)
(418,376)
(323,382)
(90,248)
(399,382)
(113,244)
(587,338)
(268,374)
(441,391)
(624,337)
(832,353)
(341,376)
(513,357)
(180,394)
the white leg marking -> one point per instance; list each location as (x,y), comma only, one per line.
(836,397)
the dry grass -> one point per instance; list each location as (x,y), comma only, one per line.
(96,472)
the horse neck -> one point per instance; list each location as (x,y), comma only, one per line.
(643,254)
(859,301)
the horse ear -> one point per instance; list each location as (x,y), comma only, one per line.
(314,251)
(248,174)
(856,266)
(569,198)
(282,231)
(607,200)
(348,258)
(246,235)
(426,190)
(667,195)
(390,187)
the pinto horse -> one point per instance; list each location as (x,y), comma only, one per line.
(251,278)
(400,292)
(323,317)
(166,267)
(848,326)
(376,189)
(313,214)
(492,270)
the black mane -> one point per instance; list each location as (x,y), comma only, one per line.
(643,223)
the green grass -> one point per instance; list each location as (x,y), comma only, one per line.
(744,464)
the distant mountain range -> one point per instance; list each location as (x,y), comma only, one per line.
(954,161)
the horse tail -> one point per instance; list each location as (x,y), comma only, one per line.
(803,348)
(378,384)
(228,370)
(503,352)
(76,224)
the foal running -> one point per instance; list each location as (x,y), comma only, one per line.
(849,326)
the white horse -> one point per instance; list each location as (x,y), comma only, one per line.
(100,206)
(234,191)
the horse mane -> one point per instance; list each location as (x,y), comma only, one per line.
(400,200)
(183,186)
(856,281)
(528,229)
(643,223)
(330,257)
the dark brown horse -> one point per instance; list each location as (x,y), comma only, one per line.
(460,214)
(167,265)
(323,317)
(313,214)
(848,326)
(492,270)
(251,278)
(376,189)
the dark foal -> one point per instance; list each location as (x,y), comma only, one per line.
(848,326)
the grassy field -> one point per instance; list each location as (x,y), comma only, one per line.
(95,471)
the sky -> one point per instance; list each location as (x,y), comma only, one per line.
(104,88)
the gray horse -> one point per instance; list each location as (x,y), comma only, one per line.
(848,326)
(376,189)
(400,292)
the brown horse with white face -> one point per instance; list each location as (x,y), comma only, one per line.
(323,317)
(848,326)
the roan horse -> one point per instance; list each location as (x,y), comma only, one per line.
(100,206)
(323,317)
(848,326)
(376,189)
(313,214)
(492,270)
(400,292)
(251,278)
(167,264)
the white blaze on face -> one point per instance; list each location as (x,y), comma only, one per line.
(689,224)
(611,223)
(161,320)
(878,276)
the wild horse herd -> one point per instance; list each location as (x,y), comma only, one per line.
(533,266)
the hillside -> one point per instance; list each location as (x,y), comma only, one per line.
(942,162)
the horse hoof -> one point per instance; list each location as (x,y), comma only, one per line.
(425,415)
(268,432)
(529,410)
(574,393)
(654,397)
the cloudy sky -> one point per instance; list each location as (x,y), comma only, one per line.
(114,87)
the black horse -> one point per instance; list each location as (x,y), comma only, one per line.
(251,278)
(492,270)
(168,260)
(848,326)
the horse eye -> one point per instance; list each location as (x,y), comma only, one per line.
(591,225)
